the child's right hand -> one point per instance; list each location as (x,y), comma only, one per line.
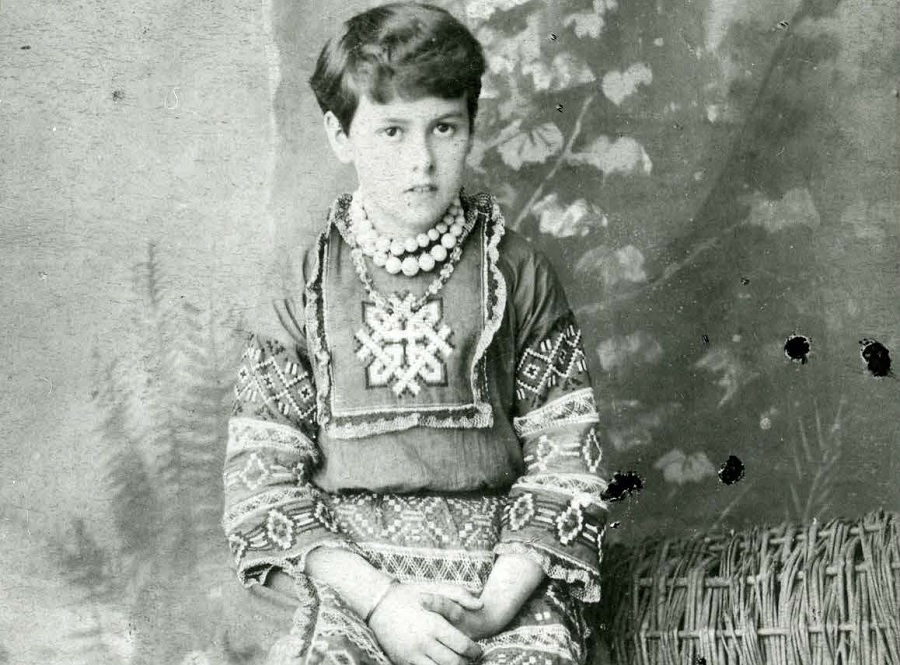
(413,635)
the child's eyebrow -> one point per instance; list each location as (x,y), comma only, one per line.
(456,115)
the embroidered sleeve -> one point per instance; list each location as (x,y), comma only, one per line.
(274,516)
(555,513)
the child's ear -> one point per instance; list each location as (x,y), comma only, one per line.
(337,138)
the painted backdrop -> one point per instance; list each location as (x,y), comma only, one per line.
(716,182)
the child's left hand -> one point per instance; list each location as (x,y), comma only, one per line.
(476,622)
(513,579)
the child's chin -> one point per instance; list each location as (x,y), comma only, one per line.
(422,214)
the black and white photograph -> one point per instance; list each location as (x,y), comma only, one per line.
(457,332)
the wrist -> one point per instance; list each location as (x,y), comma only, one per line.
(379,599)
(496,612)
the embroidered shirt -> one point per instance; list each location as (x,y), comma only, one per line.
(483,388)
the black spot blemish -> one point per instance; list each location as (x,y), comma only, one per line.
(614,525)
(705,339)
(118,95)
(744,281)
(876,356)
(797,348)
(559,107)
(622,485)
(783,24)
(732,471)
(700,660)
(553,37)
(26,47)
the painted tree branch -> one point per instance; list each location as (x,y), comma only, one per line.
(563,156)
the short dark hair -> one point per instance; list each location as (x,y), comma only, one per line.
(402,49)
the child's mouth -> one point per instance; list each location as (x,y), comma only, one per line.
(422,189)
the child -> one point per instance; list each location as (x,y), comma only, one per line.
(412,451)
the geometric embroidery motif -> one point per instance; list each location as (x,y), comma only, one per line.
(254,473)
(280,529)
(556,360)
(401,347)
(285,385)
(521,511)
(570,523)
(591,451)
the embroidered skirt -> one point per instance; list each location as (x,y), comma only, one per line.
(428,538)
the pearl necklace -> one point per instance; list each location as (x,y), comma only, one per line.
(408,255)
(408,305)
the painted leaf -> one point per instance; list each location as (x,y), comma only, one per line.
(871,220)
(619,86)
(624,155)
(590,23)
(626,438)
(733,373)
(619,351)
(565,71)
(480,147)
(677,467)
(611,266)
(561,221)
(506,52)
(532,147)
(795,208)
(481,10)
(586,24)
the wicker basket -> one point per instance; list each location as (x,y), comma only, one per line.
(826,593)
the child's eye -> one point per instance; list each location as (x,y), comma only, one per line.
(390,132)
(444,128)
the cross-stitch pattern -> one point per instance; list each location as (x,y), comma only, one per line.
(269,378)
(401,348)
(557,360)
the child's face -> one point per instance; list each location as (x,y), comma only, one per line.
(409,157)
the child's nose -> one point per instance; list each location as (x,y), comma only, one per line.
(421,154)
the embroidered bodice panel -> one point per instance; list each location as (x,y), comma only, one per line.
(391,368)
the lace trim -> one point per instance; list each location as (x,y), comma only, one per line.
(584,581)
(315,320)
(476,415)
(577,407)
(493,228)
(337,619)
(586,487)
(423,566)
(252,571)
(549,639)
(247,434)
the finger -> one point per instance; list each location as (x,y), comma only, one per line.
(461,596)
(441,605)
(458,642)
(443,655)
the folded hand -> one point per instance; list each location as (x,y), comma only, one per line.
(473,620)
(411,634)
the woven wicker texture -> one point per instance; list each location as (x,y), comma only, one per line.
(823,593)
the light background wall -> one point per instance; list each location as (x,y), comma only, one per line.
(733,181)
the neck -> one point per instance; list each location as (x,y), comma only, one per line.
(388,225)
